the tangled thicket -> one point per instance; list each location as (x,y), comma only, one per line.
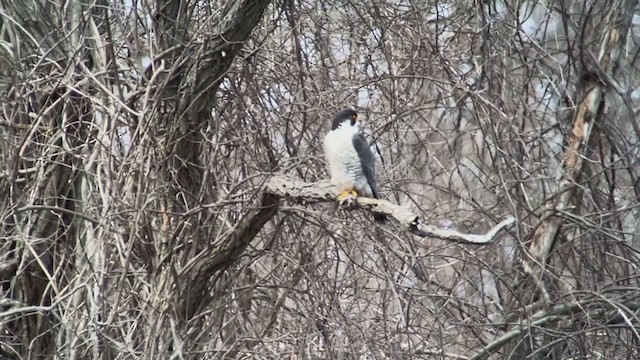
(138,142)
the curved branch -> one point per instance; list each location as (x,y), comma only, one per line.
(287,187)
(231,248)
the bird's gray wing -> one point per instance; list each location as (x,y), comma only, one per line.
(367,161)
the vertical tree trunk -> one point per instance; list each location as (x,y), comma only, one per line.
(597,78)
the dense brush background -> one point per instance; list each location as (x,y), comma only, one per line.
(136,138)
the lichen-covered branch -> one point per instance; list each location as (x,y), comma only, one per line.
(288,187)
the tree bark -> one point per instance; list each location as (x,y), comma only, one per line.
(197,69)
(587,113)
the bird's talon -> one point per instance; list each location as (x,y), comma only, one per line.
(349,203)
(348,199)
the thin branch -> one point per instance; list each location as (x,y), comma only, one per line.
(543,317)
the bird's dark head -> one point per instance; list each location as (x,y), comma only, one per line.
(344,115)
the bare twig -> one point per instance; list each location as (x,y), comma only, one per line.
(543,317)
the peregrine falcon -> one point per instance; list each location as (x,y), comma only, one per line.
(350,159)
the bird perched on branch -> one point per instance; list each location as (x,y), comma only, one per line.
(351,161)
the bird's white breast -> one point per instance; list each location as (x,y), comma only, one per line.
(344,163)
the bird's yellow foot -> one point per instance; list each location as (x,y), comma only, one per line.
(347,195)
(347,199)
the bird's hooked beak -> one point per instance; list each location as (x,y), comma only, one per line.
(355,121)
(351,121)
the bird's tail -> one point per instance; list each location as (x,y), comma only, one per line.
(378,217)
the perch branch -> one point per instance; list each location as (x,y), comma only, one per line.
(287,187)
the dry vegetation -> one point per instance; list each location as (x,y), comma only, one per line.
(138,141)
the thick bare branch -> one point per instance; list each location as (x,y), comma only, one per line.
(226,254)
(284,186)
(8,269)
(618,21)
(205,66)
